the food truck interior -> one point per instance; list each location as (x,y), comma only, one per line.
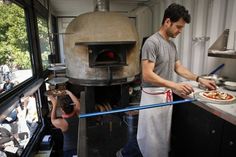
(92,48)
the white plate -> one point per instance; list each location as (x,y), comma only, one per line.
(58,80)
(230,85)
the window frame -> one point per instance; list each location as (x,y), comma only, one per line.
(28,22)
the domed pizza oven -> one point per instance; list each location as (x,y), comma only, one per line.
(101,48)
(102,55)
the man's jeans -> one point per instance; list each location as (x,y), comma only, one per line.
(131,149)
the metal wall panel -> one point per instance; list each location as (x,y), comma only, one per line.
(209,18)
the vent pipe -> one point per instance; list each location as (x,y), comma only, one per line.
(101,5)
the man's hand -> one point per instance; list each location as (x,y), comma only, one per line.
(210,84)
(184,88)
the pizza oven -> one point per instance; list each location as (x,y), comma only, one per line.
(102,55)
(101,48)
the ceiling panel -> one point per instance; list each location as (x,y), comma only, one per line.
(70,7)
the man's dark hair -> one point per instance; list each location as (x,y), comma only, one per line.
(175,12)
(66,104)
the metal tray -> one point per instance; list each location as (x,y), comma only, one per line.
(57,64)
(57,68)
(58,80)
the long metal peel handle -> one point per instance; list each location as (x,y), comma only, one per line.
(217,69)
(135,108)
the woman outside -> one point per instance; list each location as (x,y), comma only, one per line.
(69,121)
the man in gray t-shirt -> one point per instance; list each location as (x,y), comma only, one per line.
(159,55)
(161,52)
(159,62)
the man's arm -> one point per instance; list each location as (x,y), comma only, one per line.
(1,90)
(74,99)
(57,122)
(184,72)
(150,76)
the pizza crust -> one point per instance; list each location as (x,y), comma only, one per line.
(202,94)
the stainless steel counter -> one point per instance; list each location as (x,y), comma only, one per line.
(225,111)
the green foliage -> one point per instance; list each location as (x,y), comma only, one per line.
(44,41)
(13,37)
(14,44)
(4,52)
(22,59)
(44,56)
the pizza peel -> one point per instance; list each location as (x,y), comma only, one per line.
(55,92)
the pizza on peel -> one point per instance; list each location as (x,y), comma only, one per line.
(217,96)
(56,92)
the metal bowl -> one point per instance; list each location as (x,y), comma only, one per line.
(230,85)
(218,80)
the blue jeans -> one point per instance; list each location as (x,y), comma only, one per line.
(69,153)
(131,149)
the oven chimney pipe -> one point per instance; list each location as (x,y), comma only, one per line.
(102,5)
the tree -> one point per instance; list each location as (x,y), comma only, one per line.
(44,40)
(14,44)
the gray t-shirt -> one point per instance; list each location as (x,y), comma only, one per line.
(163,53)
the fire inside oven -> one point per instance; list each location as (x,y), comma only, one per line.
(108,55)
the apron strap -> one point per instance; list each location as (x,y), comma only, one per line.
(168,95)
(167,92)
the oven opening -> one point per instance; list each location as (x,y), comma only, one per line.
(108,54)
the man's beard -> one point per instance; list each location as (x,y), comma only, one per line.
(170,34)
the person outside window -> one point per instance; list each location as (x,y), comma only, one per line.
(8,85)
(6,72)
(31,114)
